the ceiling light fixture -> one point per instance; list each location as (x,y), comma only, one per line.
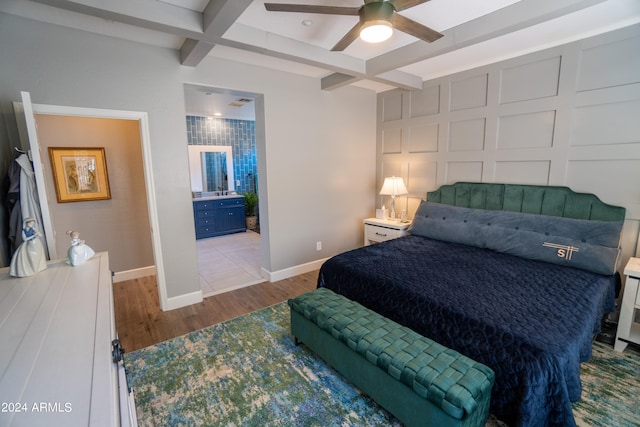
(375,19)
(376,32)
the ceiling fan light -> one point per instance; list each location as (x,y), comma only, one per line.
(376,32)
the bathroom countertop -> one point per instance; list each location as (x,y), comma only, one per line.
(226,196)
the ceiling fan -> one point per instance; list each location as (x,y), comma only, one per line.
(377,20)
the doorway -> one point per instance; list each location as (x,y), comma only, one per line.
(26,113)
(225,120)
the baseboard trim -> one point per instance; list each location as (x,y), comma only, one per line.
(182,301)
(274,276)
(121,276)
(196,297)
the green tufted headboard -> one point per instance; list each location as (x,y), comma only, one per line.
(532,199)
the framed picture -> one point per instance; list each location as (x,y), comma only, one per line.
(79,174)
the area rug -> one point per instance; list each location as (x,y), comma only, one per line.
(248,372)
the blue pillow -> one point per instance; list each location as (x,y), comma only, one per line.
(589,245)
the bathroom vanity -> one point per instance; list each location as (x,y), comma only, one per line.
(217,210)
(218,215)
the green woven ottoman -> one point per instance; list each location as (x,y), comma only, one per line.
(419,381)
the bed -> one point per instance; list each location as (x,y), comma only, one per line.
(516,277)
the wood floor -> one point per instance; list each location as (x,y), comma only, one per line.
(140,322)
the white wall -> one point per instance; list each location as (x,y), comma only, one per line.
(317,159)
(563,116)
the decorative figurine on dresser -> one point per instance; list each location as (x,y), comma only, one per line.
(78,252)
(29,258)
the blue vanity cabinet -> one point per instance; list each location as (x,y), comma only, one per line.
(204,213)
(215,217)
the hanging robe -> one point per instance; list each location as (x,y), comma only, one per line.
(12,200)
(29,203)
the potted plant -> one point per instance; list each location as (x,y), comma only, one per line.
(250,206)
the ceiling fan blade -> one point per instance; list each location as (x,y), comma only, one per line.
(406,4)
(349,38)
(408,26)
(308,8)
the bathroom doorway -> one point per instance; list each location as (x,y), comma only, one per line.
(224,121)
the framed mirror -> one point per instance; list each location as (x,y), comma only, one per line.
(211,168)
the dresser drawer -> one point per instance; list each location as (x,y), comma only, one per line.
(205,213)
(378,230)
(235,201)
(203,206)
(205,227)
(57,348)
(375,233)
(206,231)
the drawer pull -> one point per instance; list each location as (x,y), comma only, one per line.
(381,234)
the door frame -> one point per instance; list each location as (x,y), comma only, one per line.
(261,154)
(143,122)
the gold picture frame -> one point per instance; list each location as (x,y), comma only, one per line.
(79,174)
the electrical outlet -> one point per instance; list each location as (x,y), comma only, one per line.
(318,246)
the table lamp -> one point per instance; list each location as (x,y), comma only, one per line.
(393,186)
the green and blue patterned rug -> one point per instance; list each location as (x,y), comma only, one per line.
(248,372)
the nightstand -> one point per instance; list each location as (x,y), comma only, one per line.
(378,230)
(628,328)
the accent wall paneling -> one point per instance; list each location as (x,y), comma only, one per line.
(600,58)
(468,93)
(392,140)
(567,115)
(542,76)
(425,102)
(467,135)
(592,124)
(423,138)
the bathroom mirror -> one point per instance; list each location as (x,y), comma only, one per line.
(211,168)
(214,171)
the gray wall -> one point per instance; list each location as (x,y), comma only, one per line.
(564,116)
(316,148)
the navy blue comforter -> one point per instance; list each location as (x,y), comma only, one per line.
(530,321)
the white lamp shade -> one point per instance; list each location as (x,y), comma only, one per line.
(393,186)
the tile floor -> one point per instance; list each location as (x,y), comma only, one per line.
(229,262)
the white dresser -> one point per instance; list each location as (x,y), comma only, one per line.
(56,364)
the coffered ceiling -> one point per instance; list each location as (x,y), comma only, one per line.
(475,33)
